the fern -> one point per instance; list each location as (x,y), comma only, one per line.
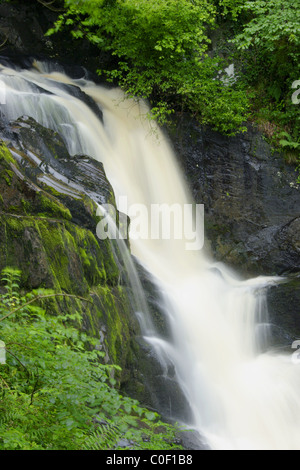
(44,401)
(11,299)
(288,142)
(105,437)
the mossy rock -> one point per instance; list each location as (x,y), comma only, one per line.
(50,235)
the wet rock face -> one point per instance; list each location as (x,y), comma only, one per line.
(252,211)
(22,28)
(48,231)
(251,198)
(284,302)
(75,181)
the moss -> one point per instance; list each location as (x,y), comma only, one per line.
(91,255)
(67,258)
(5,154)
(50,206)
(59,252)
(70,267)
(26,206)
(85,258)
(114,312)
(16,225)
(39,236)
(107,311)
(14,209)
(7,175)
(13,228)
(53,191)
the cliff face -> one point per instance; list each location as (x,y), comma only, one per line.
(251,198)
(252,208)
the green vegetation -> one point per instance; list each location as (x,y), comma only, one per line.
(160,52)
(269,51)
(173,52)
(44,404)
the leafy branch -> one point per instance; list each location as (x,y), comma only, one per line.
(49,5)
(39,297)
(172,69)
(4,42)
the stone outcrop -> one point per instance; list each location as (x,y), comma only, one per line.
(252,208)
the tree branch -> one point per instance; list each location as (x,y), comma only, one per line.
(35,389)
(48,5)
(4,42)
(17,359)
(43,297)
(5,384)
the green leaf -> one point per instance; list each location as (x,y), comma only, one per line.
(150,415)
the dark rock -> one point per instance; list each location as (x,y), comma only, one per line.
(23,26)
(191,440)
(158,387)
(251,197)
(284,301)
(252,207)
(53,159)
(154,301)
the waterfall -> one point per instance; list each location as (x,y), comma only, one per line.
(242,395)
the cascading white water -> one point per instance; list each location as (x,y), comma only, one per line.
(241,396)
